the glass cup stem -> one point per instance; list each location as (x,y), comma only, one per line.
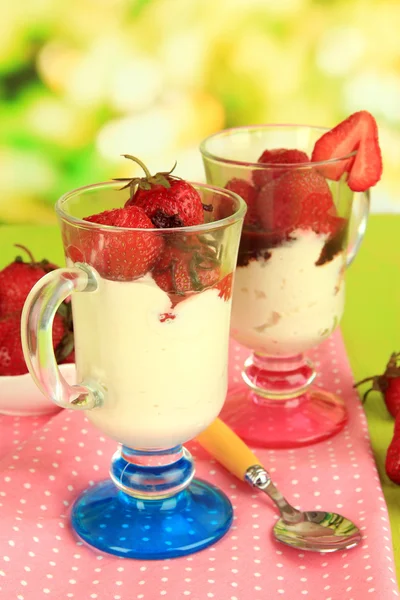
(151,475)
(277,379)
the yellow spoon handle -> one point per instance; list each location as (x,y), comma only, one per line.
(227,447)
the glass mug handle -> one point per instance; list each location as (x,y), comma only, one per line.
(358,224)
(37,339)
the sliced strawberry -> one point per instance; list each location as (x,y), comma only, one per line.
(286,201)
(183,270)
(277,156)
(248,192)
(359,132)
(117,254)
(225,287)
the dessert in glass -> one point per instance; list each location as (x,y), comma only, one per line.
(151,302)
(298,239)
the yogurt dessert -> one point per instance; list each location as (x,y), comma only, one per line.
(164,368)
(154,334)
(289,285)
(286,303)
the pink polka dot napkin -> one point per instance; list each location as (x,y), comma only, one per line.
(45,463)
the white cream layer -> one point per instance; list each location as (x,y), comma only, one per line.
(287,304)
(165,382)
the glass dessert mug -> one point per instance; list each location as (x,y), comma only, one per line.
(151,362)
(298,238)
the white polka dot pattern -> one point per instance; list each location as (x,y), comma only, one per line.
(54,458)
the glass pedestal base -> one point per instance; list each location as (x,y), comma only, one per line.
(117,523)
(307,419)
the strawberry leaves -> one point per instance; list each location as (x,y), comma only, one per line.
(146,183)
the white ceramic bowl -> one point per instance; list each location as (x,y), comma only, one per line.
(19,395)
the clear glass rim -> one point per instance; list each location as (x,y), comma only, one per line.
(264,127)
(204,227)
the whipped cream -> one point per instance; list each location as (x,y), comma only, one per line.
(287,304)
(164,369)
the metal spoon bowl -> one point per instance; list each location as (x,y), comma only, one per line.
(319,532)
(315,531)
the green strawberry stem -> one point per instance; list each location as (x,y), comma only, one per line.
(28,252)
(380,383)
(146,183)
(173,277)
(193,266)
(140,163)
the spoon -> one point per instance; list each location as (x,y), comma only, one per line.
(317,531)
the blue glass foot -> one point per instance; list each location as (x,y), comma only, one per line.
(115,522)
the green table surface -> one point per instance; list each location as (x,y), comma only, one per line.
(371,324)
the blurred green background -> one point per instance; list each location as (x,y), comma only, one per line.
(83,81)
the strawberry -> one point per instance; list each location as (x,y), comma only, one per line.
(106,217)
(225,287)
(248,192)
(296,199)
(17,280)
(116,254)
(167,200)
(12,360)
(392,462)
(359,132)
(187,269)
(319,214)
(277,156)
(70,358)
(388,384)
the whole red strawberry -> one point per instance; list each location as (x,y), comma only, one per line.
(70,358)
(117,254)
(167,200)
(279,157)
(388,384)
(12,360)
(17,280)
(297,199)
(359,133)
(182,270)
(248,192)
(392,463)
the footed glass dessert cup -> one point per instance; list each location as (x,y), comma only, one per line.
(151,364)
(301,231)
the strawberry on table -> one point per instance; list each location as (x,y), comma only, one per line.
(17,280)
(166,199)
(12,360)
(392,462)
(277,156)
(359,133)
(248,192)
(388,384)
(115,254)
